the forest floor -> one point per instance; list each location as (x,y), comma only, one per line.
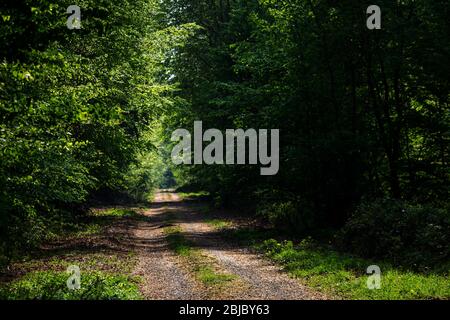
(178,247)
(173,248)
(182,255)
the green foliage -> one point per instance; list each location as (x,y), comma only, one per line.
(371,123)
(402,232)
(345,275)
(50,285)
(78,109)
(145,174)
(292,216)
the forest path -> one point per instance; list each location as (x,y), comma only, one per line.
(170,276)
(164,279)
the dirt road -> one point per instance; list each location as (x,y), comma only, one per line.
(168,276)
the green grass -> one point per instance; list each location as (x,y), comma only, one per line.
(202,266)
(194,195)
(105,217)
(86,261)
(74,230)
(41,273)
(102,277)
(342,275)
(210,277)
(92,224)
(51,285)
(177,242)
(345,276)
(117,213)
(218,223)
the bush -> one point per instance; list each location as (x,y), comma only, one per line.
(393,229)
(294,216)
(20,228)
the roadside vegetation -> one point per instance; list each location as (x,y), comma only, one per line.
(51,285)
(342,275)
(218,223)
(203,267)
(198,195)
(105,272)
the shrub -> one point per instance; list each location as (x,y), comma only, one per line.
(291,215)
(393,229)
